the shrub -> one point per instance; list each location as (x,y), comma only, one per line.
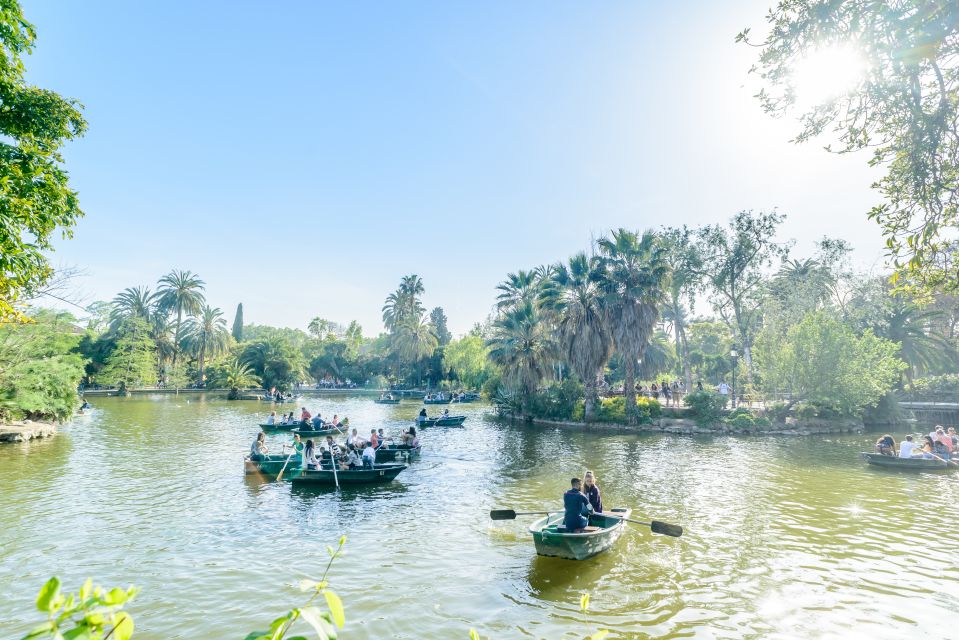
(804,410)
(706,407)
(741,421)
(778,410)
(614,410)
(558,401)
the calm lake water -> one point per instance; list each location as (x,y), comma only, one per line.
(785,537)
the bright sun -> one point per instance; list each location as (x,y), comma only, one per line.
(827,73)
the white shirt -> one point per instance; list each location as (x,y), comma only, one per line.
(271,420)
(724,388)
(905,449)
(369,452)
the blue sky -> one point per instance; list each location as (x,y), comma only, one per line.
(303,156)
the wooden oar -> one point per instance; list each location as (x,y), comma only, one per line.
(663,528)
(280,475)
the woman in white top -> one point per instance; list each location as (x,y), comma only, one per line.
(309,456)
(272,418)
(906,447)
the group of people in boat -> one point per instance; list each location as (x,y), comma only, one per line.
(580,501)
(422,416)
(940,443)
(307,419)
(358,452)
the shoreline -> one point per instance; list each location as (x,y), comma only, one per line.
(25,430)
(680,426)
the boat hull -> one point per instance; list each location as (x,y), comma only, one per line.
(438,401)
(551,539)
(393,401)
(908,464)
(271,465)
(314,433)
(452,421)
(401,452)
(379,473)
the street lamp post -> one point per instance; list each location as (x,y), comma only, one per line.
(734,355)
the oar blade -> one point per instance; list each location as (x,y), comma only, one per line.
(502,514)
(666,529)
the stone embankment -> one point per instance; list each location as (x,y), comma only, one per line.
(26,430)
(791,427)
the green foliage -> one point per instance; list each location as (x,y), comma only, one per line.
(823,361)
(35,197)
(741,421)
(438,326)
(40,367)
(132,363)
(558,401)
(274,361)
(902,111)
(614,410)
(93,613)
(706,407)
(468,358)
(935,387)
(237,330)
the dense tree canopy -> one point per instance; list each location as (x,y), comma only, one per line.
(35,197)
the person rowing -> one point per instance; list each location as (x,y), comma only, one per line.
(422,417)
(272,418)
(577,508)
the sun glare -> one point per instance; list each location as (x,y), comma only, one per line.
(826,74)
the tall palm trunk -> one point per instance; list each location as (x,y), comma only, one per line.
(684,355)
(176,335)
(629,389)
(202,361)
(589,399)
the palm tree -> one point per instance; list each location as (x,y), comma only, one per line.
(523,346)
(923,349)
(415,340)
(634,280)
(573,296)
(522,286)
(659,356)
(207,336)
(161,330)
(132,302)
(180,292)
(238,376)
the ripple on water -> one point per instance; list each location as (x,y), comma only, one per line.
(785,538)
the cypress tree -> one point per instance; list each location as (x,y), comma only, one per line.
(238,323)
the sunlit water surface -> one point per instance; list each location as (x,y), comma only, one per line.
(786,538)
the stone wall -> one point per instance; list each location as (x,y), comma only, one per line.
(791,427)
(26,430)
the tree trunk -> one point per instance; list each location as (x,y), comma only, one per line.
(176,335)
(202,361)
(629,388)
(684,354)
(589,400)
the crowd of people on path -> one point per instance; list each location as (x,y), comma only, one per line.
(940,443)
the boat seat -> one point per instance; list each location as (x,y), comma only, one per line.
(588,529)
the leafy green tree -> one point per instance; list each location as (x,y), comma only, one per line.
(40,367)
(274,361)
(468,358)
(574,298)
(732,260)
(180,292)
(823,361)
(35,198)
(132,362)
(238,324)
(207,336)
(523,346)
(439,328)
(902,109)
(414,340)
(684,281)
(321,327)
(519,287)
(635,277)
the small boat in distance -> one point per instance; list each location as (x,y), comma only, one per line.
(552,539)
(393,452)
(441,421)
(909,464)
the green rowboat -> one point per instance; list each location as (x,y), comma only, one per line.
(315,433)
(909,464)
(271,465)
(552,539)
(387,401)
(379,473)
(438,421)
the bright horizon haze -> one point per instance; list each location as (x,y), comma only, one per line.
(302,159)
